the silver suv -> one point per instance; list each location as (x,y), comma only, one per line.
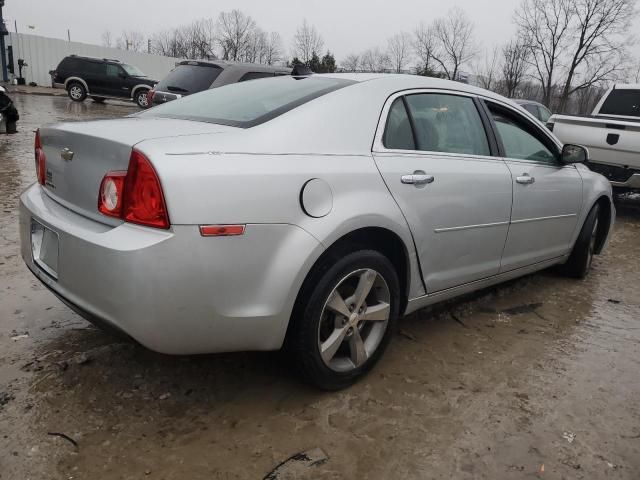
(192,76)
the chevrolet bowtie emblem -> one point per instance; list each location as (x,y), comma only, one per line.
(66,154)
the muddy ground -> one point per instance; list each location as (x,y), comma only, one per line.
(538,378)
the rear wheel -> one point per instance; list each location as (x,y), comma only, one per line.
(141,99)
(76,91)
(344,319)
(581,258)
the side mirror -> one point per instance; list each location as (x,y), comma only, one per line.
(123,75)
(574,154)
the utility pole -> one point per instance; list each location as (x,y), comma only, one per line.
(3,51)
(68,34)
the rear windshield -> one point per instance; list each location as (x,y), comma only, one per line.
(248,104)
(186,79)
(622,102)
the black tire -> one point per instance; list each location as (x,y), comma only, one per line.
(76,91)
(98,99)
(581,257)
(309,319)
(140,97)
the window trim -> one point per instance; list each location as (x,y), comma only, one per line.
(378,143)
(535,128)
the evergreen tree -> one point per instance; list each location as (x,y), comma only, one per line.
(328,63)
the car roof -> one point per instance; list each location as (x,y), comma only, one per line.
(94,59)
(256,67)
(627,86)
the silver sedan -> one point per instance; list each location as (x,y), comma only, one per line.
(306,213)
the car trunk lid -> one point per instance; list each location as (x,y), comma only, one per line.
(78,155)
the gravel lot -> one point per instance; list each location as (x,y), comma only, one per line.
(537,378)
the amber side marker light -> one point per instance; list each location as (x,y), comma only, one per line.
(221,230)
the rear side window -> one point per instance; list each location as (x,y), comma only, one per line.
(447,123)
(93,68)
(185,79)
(255,76)
(398,134)
(247,104)
(622,102)
(69,64)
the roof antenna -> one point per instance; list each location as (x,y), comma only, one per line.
(300,70)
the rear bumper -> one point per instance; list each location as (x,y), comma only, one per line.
(174,291)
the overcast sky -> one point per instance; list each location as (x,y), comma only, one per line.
(347,26)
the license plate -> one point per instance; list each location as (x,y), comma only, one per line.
(44,248)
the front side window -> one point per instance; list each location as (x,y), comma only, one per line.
(398,134)
(113,70)
(520,141)
(447,123)
(133,71)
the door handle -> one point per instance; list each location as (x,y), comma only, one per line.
(417,178)
(525,179)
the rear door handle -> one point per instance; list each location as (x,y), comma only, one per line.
(525,179)
(417,178)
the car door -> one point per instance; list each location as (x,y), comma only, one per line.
(547,195)
(116,81)
(94,74)
(435,156)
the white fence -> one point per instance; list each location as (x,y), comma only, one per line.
(43,54)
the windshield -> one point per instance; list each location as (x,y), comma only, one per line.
(133,71)
(248,103)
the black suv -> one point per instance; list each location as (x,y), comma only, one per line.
(101,78)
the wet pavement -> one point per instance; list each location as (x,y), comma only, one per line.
(538,378)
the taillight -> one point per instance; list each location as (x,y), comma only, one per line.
(111,194)
(135,195)
(41,160)
(150,95)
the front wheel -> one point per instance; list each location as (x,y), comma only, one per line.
(344,319)
(141,98)
(579,263)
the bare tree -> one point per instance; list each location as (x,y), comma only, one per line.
(235,31)
(374,60)
(351,63)
(488,71)
(455,37)
(398,48)
(274,50)
(515,56)
(131,40)
(425,46)
(306,42)
(636,72)
(544,27)
(107,39)
(597,33)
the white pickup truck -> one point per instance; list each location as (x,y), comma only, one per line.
(611,133)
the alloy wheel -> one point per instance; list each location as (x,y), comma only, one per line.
(354,320)
(75,92)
